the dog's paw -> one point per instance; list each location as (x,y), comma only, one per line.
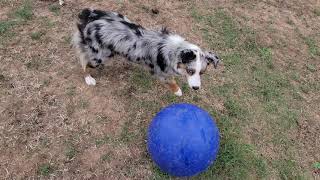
(61,2)
(90,80)
(178,93)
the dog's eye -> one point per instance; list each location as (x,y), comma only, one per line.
(191,71)
(201,72)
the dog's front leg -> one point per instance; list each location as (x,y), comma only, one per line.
(87,77)
(173,86)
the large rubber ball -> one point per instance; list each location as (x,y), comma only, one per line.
(183,140)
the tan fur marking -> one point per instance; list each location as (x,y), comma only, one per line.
(173,86)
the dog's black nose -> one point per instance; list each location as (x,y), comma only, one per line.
(195,87)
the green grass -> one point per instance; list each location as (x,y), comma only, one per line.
(234,109)
(55,9)
(159,175)
(83,104)
(6,26)
(312,46)
(141,80)
(266,55)
(21,14)
(70,152)
(71,91)
(25,11)
(235,161)
(34,64)
(45,169)
(288,170)
(101,141)
(67,40)
(254,88)
(47,22)
(37,35)
(316,165)
(311,67)
(107,156)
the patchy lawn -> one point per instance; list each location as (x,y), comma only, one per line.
(264,96)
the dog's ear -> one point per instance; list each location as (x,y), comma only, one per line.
(187,56)
(211,57)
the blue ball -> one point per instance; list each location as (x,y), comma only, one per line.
(183,140)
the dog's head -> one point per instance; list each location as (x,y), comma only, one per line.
(193,62)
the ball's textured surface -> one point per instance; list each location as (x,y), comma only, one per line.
(183,140)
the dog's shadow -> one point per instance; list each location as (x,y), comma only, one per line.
(115,71)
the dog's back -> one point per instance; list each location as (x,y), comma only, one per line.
(102,34)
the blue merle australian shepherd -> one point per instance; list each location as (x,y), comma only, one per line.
(103,34)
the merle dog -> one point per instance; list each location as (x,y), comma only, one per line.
(103,34)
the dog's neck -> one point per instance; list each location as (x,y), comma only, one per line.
(173,46)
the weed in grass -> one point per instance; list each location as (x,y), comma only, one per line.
(54,8)
(5,26)
(266,55)
(309,86)
(317,12)
(290,22)
(44,141)
(296,94)
(71,91)
(45,21)
(45,169)
(83,104)
(107,156)
(2,78)
(33,64)
(67,39)
(126,135)
(25,11)
(250,43)
(288,118)
(101,141)
(37,35)
(102,119)
(70,152)
(312,45)
(311,67)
